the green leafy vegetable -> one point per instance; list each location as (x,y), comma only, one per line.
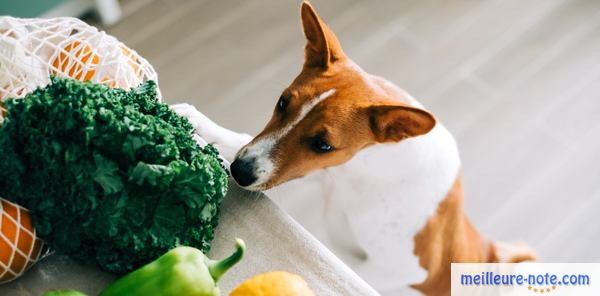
(110,176)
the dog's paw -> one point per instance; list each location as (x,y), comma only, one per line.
(203,126)
(190,112)
(226,141)
(513,252)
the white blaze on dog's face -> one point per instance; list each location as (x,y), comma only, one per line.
(332,110)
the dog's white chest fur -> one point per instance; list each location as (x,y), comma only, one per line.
(379,200)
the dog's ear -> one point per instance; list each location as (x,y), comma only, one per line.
(393,123)
(322,46)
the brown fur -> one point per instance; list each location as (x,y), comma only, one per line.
(449,237)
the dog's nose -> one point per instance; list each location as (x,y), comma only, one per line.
(242,171)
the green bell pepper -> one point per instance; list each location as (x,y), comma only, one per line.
(183,271)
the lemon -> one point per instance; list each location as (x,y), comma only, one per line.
(276,283)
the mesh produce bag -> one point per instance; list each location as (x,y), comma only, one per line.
(20,248)
(33,49)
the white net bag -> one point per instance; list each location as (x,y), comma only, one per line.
(33,49)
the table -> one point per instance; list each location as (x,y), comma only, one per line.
(274,242)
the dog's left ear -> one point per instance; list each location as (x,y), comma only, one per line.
(393,123)
(322,46)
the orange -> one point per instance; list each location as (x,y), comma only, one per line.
(109,81)
(2,110)
(20,248)
(76,60)
(132,58)
(133,62)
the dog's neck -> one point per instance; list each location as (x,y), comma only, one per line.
(402,182)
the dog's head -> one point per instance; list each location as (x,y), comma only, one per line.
(332,110)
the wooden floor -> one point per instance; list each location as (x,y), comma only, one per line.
(517,82)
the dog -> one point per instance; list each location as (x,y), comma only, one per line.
(394,188)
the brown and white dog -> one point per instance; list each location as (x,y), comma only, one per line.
(394,186)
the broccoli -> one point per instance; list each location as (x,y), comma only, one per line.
(111,177)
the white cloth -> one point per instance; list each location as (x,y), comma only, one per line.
(274,242)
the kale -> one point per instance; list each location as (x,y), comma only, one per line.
(111,177)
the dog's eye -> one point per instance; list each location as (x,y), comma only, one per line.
(282,103)
(320,145)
